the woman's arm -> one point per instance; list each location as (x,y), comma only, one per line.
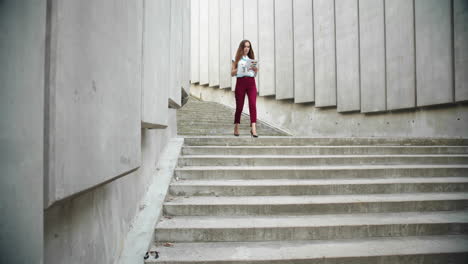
(233,70)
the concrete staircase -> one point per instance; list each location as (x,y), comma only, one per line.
(199,118)
(316,200)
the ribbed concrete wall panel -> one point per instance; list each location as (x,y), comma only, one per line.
(237,30)
(213,44)
(324,53)
(175,76)
(225,44)
(303,51)
(460,12)
(251,23)
(284,47)
(155,60)
(347,55)
(251,26)
(186,46)
(204,55)
(22,102)
(95,94)
(195,41)
(266,47)
(372,55)
(400,57)
(434,48)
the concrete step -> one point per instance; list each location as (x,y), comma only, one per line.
(308,160)
(321,150)
(315,227)
(244,134)
(319,172)
(307,141)
(216,129)
(317,186)
(314,204)
(398,250)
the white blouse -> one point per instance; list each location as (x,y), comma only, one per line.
(242,71)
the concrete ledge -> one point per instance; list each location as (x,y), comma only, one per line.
(140,235)
(427,249)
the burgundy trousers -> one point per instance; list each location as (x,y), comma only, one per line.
(246,85)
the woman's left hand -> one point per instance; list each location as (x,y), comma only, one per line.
(255,69)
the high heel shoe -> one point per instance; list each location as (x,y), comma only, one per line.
(236,134)
(255,136)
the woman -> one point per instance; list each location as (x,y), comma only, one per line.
(245,85)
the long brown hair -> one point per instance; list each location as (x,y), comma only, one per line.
(240,52)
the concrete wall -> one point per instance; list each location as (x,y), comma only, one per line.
(303,51)
(307,120)
(195,41)
(114,68)
(460,18)
(155,56)
(347,56)
(94,103)
(213,44)
(91,227)
(22,51)
(224,44)
(366,56)
(237,30)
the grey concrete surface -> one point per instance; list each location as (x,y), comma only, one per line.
(355,251)
(186,45)
(204,38)
(460,18)
(237,30)
(310,227)
(251,28)
(251,23)
(434,52)
(213,42)
(155,84)
(399,54)
(313,204)
(322,150)
(347,56)
(317,186)
(324,172)
(303,51)
(225,56)
(324,141)
(266,47)
(140,235)
(372,55)
(290,160)
(207,118)
(94,95)
(92,227)
(175,52)
(386,47)
(284,46)
(22,52)
(324,53)
(223,197)
(195,42)
(307,120)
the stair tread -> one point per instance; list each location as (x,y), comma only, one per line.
(216,222)
(319,146)
(287,250)
(295,182)
(314,199)
(322,167)
(318,156)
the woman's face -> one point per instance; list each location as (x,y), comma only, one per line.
(246,48)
